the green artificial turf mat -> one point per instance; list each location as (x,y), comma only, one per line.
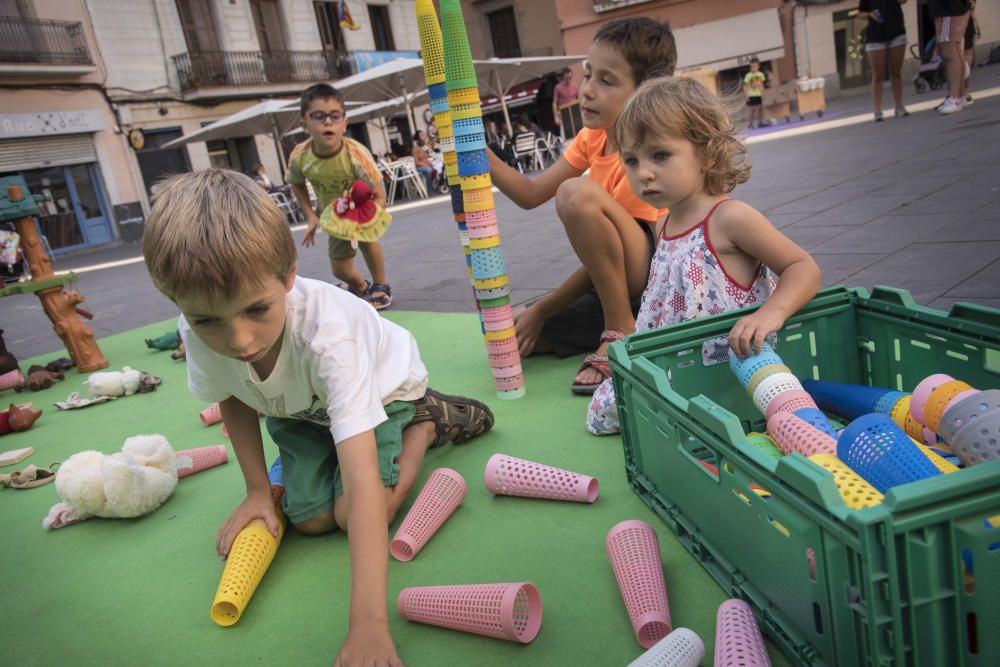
(138,591)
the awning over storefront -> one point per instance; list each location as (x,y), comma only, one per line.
(730,42)
(519,95)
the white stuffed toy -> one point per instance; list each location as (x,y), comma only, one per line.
(113,383)
(126,484)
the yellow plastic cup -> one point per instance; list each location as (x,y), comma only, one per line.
(251,555)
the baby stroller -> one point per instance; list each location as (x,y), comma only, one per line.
(930,74)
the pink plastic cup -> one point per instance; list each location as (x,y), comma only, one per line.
(11,379)
(923,391)
(505,611)
(201,458)
(498,314)
(681,648)
(510,476)
(789,401)
(442,493)
(635,558)
(509,383)
(506,371)
(211,415)
(793,434)
(738,641)
(505,346)
(498,325)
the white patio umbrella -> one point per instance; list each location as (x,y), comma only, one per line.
(274,117)
(386,82)
(381,110)
(498,75)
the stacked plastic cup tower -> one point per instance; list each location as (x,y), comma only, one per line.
(458,115)
(793,419)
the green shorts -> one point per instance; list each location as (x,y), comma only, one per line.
(309,467)
(340,248)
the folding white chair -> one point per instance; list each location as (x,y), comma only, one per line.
(525,150)
(289,207)
(403,172)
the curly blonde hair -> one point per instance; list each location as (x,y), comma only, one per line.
(683,107)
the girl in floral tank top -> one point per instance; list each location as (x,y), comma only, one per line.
(714,254)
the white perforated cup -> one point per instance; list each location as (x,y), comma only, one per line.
(681,648)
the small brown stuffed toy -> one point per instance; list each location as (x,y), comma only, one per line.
(39,378)
(18,418)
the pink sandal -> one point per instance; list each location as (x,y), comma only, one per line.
(599,362)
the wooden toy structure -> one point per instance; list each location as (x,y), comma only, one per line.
(60,304)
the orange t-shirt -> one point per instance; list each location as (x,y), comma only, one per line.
(586,151)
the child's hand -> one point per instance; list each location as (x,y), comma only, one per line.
(750,332)
(257,505)
(528,327)
(368,644)
(309,237)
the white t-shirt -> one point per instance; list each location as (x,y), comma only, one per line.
(339,364)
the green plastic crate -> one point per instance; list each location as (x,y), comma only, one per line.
(887,585)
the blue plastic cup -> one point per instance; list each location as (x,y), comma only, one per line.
(816,418)
(745,368)
(877,449)
(849,401)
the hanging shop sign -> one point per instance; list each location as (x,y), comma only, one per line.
(45,123)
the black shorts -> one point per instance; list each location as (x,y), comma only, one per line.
(970,35)
(576,329)
(754,101)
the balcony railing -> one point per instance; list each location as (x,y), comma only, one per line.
(207,69)
(611,5)
(42,41)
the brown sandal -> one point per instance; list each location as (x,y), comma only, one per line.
(599,362)
(456,418)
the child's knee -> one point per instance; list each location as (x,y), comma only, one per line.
(574,193)
(319,524)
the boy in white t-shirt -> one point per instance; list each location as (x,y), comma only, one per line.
(344,391)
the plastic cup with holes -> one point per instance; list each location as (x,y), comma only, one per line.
(635,559)
(771,387)
(789,401)
(877,449)
(211,415)
(11,379)
(888,401)
(505,611)
(940,398)
(250,556)
(856,492)
(794,435)
(511,476)
(961,412)
(763,373)
(942,464)
(190,461)
(922,392)
(738,641)
(849,401)
(979,440)
(441,495)
(815,417)
(681,648)
(745,368)
(765,444)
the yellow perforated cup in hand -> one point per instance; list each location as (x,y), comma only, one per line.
(252,553)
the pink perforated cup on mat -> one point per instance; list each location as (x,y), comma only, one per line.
(201,458)
(635,558)
(681,648)
(510,476)
(738,641)
(505,611)
(442,493)
(793,434)
(211,415)
(11,379)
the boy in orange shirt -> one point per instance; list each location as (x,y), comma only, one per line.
(610,228)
